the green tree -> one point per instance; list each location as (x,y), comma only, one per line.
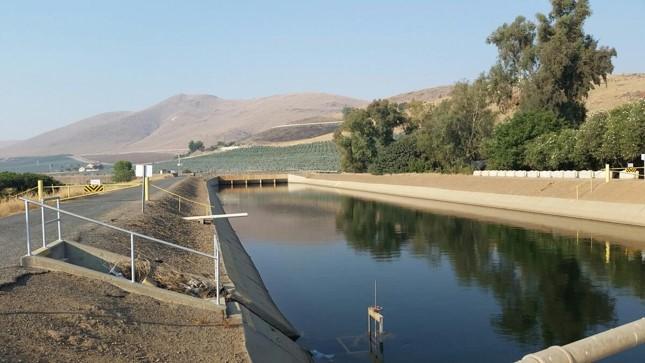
(552,151)
(588,151)
(554,63)
(452,134)
(365,130)
(122,171)
(507,148)
(624,140)
(195,145)
(401,156)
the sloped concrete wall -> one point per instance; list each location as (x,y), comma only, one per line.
(622,213)
(249,290)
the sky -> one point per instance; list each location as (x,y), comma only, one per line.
(61,61)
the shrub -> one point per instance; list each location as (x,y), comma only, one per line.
(122,171)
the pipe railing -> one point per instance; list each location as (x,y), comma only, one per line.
(215,256)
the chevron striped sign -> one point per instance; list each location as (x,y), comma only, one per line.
(93,188)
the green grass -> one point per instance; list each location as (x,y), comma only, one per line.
(40,164)
(321,156)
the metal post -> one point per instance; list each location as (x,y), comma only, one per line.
(27,224)
(58,222)
(146,188)
(132,269)
(42,220)
(216,252)
(41,192)
(179,199)
(143,190)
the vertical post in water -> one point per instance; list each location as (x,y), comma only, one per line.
(58,222)
(132,268)
(216,253)
(27,225)
(42,220)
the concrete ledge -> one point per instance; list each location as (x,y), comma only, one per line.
(620,213)
(41,261)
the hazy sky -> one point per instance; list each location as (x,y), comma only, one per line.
(65,60)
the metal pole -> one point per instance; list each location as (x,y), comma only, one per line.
(216,252)
(42,218)
(143,190)
(132,269)
(58,223)
(27,224)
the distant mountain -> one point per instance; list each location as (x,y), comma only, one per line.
(5,143)
(172,123)
(168,126)
(434,94)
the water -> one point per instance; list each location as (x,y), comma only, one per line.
(453,289)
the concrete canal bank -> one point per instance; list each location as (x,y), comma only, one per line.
(629,217)
(269,336)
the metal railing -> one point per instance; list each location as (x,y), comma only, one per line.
(42,204)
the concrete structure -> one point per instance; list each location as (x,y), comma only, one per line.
(91,262)
(595,347)
(622,213)
(545,174)
(269,336)
(533,174)
(263,179)
(586,174)
(570,174)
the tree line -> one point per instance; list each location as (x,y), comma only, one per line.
(537,88)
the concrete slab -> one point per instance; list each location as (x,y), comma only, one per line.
(54,257)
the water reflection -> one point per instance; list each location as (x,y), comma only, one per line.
(549,289)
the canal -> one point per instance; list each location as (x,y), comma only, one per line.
(452,289)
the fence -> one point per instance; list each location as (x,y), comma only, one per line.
(43,205)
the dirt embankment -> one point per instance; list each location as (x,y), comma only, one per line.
(51,316)
(618,191)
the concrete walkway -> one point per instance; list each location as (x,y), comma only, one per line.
(12,228)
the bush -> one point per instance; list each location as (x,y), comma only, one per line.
(624,140)
(11,182)
(507,148)
(552,151)
(122,171)
(401,156)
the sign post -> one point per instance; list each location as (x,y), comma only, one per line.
(143,171)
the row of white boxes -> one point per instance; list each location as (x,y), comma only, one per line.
(557,174)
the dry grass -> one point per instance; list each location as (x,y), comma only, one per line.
(620,89)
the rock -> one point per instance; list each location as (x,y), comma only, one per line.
(57,336)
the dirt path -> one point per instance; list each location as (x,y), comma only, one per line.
(620,191)
(51,316)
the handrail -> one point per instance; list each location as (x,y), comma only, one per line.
(42,205)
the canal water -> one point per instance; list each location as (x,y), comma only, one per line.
(452,289)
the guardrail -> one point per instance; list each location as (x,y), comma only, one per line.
(42,204)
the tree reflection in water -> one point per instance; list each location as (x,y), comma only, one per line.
(549,288)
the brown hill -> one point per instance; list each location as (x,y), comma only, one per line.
(620,89)
(170,124)
(434,94)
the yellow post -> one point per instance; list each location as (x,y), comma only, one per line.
(577,192)
(607,175)
(41,192)
(146,188)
